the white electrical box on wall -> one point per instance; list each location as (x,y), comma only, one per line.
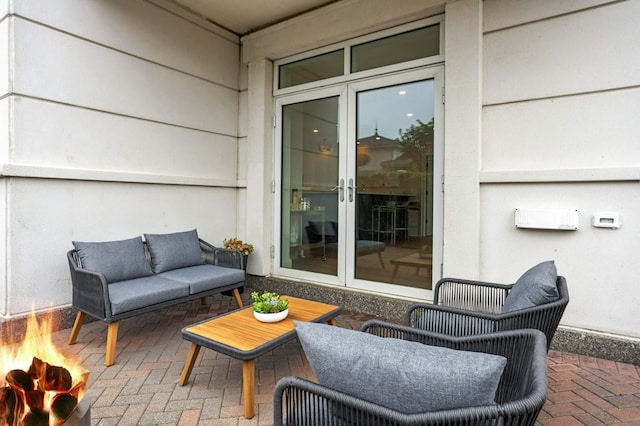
(560,220)
(606,220)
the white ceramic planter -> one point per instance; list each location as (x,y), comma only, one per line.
(275,317)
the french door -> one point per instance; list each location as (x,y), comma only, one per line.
(359,192)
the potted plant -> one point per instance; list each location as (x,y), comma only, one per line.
(236,244)
(269,307)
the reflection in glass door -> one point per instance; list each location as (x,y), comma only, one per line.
(309,194)
(394,184)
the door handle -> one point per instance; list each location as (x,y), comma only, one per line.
(351,190)
(340,188)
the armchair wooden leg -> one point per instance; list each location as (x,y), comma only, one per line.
(76,327)
(236,295)
(112,337)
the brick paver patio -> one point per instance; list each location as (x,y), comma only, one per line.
(141,387)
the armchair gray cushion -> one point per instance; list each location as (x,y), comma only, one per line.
(535,287)
(172,251)
(116,260)
(405,376)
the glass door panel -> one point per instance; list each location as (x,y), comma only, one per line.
(309,194)
(394,184)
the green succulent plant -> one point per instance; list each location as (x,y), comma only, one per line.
(268,303)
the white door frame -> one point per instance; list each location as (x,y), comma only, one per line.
(347,154)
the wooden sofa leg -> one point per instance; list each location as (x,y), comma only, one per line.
(112,337)
(236,295)
(76,327)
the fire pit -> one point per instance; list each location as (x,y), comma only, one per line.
(41,386)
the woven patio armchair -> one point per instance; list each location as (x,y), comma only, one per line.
(520,394)
(464,308)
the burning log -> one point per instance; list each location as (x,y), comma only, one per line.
(30,388)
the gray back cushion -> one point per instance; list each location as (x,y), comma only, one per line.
(172,251)
(116,260)
(535,287)
(408,377)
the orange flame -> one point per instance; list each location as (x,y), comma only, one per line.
(38,344)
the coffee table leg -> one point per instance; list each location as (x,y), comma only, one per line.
(395,272)
(248,386)
(332,321)
(188,364)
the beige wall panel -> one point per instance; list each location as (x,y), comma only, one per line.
(4,58)
(145,30)
(243,118)
(4,265)
(55,135)
(91,211)
(54,66)
(506,13)
(6,136)
(595,261)
(242,159)
(590,131)
(589,51)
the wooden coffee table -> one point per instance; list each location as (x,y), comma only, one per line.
(239,335)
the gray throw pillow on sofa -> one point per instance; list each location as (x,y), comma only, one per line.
(535,287)
(405,376)
(116,260)
(173,251)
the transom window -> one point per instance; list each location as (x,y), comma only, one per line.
(415,44)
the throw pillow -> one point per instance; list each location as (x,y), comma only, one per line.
(535,287)
(404,376)
(116,260)
(173,251)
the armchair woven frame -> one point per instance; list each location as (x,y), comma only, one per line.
(465,308)
(519,398)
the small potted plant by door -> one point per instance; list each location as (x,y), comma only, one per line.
(269,307)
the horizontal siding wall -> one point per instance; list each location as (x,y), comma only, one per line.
(561,99)
(123,120)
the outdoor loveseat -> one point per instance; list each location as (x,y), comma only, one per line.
(397,375)
(116,280)
(464,308)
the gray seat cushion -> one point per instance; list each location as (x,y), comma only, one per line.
(535,287)
(116,260)
(142,292)
(205,277)
(405,376)
(172,251)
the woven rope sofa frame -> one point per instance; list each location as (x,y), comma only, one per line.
(521,393)
(464,308)
(91,295)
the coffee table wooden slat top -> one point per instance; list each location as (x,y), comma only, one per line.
(240,335)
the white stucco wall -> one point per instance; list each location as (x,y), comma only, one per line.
(123,119)
(560,124)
